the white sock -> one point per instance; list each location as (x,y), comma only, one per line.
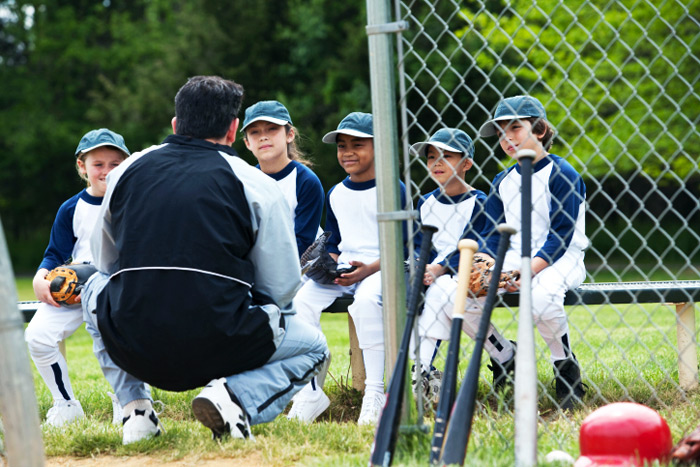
(428,349)
(56,378)
(140,404)
(498,347)
(374,370)
(555,333)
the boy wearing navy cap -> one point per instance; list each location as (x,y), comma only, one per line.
(354,242)
(558,229)
(457,209)
(98,152)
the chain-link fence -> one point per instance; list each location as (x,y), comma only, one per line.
(619,82)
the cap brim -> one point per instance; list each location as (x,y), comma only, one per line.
(276,121)
(330,137)
(83,151)
(421,148)
(490,128)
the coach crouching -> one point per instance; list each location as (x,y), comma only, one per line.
(198,266)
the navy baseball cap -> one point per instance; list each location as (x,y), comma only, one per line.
(102,137)
(447,139)
(268,111)
(357,124)
(513,108)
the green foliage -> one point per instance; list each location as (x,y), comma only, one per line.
(614,80)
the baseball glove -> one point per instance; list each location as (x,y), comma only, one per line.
(687,451)
(67,281)
(318,264)
(481,275)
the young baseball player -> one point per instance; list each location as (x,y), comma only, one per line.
(558,229)
(352,220)
(272,138)
(98,152)
(457,209)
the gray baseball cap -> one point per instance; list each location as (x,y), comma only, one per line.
(513,108)
(357,124)
(447,139)
(103,137)
(269,111)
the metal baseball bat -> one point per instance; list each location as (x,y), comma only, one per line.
(459,429)
(467,248)
(525,366)
(388,426)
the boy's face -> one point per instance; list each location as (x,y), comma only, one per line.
(517,134)
(96,164)
(447,166)
(356,156)
(267,141)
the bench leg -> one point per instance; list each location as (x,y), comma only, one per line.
(687,346)
(357,365)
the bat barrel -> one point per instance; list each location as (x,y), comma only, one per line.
(382,451)
(457,438)
(525,365)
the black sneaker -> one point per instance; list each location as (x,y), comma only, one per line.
(569,387)
(503,373)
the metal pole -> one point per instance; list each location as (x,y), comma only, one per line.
(17,399)
(386,163)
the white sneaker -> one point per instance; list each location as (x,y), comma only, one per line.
(63,412)
(117,414)
(140,424)
(308,405)
(372,406)
(214,408)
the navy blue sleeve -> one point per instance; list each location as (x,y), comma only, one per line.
(332,226)
(62,240)
(495,214)
(309,208)
(568,192)
(479,227)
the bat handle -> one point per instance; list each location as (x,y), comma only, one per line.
(467,248)
(425,249)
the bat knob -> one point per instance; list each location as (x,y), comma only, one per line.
(506,229)
(468,245)
(525,153)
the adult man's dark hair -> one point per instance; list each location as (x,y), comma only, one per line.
(205,106)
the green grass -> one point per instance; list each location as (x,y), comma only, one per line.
(627,353)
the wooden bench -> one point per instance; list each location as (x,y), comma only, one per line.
(682,294)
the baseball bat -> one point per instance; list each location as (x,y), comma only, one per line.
(525,365)
(467,248)
(388,426)
(459,429)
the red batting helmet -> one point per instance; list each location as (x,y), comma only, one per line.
(623,434)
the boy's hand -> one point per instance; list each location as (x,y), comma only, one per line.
(432,272)
(536,265)
(363,270)
(42,288)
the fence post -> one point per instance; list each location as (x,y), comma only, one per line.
(18,405)
(386,162)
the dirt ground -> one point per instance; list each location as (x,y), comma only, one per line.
(138,461)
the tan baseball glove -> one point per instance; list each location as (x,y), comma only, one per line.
(67,281)
(481,275)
